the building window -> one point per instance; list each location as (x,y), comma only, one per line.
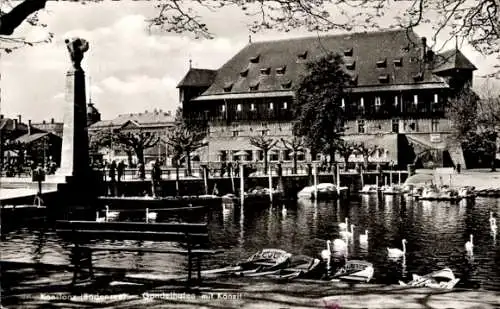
(265,71)
(281,70)
(382,63)
(342,103)
(378,101)
(435,125)
(396,101)
(395,126)
(238,107)
(252,107)
(415,99)
(361,126)
(436,98)
(223,108)
(236,133)
(398,62)
(285,105)
(271,106)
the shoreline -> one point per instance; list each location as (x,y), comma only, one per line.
(34,289)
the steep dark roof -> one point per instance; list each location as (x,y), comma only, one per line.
(452,60)
(198,78)
(146,118)
(29,138)
(395,53)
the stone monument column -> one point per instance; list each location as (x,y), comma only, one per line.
(75,153)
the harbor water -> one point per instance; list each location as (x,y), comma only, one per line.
(436,233)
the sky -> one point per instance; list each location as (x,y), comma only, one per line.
(130,69)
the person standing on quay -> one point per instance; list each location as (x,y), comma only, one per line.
(120,170)
(156,177)
(112,179)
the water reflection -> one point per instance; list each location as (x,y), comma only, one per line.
(436,234)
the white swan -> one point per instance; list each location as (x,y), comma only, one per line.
(99,219)
(344,225)
(493,222)
(326,253)
(339,244)
(395,252)
(348,234)
(469,246)
(364,237)
(111,214)
(150,215)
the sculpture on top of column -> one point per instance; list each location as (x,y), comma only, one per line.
(77,47)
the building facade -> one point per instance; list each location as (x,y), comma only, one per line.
(156,122)
(396,101)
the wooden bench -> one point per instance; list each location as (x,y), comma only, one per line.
(193,238)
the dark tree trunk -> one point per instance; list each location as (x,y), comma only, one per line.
(265,162)
(294,162)
(140,159)
(129,158)
(346,159)
(188,158)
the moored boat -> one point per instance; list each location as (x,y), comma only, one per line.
(266,260)
(391,190)
(355,270)
(441,279)
(324,191)
(369,189)
(297,266)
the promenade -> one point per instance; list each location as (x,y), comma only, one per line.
(44,288)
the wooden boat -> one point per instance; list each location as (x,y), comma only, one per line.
(297,266)
(467,192)
(355,270)
(391,190)
(263,262)
(369,189)
(441,279)
(325,191)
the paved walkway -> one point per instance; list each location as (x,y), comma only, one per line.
(24,287)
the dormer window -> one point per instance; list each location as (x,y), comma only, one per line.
(265,71)
(398,62)
(254,86)
(418,77)
(303,55)
(384,78)
(255,59)
(244,73)
(348,52)
(354,79)
(382,63)
(228,87)
(281,70)
(350,65)
(287,84)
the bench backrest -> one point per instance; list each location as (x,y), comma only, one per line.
(80,231)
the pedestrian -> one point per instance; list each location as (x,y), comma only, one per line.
(156,177)
(112,171)
(120,170)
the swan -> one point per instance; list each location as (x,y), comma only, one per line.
(111,214)
(364,237)
(339,244)
(150,215)
(469,246)
(396,252)
(99,219)
(493,222)
(348,234)
(344,225)
(326,253)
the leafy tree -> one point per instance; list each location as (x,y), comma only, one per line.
(366,151)
(320,118)
(295,144)
(264,144)
(476,123)
(187,137)
(476,22)
(346,149)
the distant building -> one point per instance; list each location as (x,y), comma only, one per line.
(51,126)
(399,88)
(158,122)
